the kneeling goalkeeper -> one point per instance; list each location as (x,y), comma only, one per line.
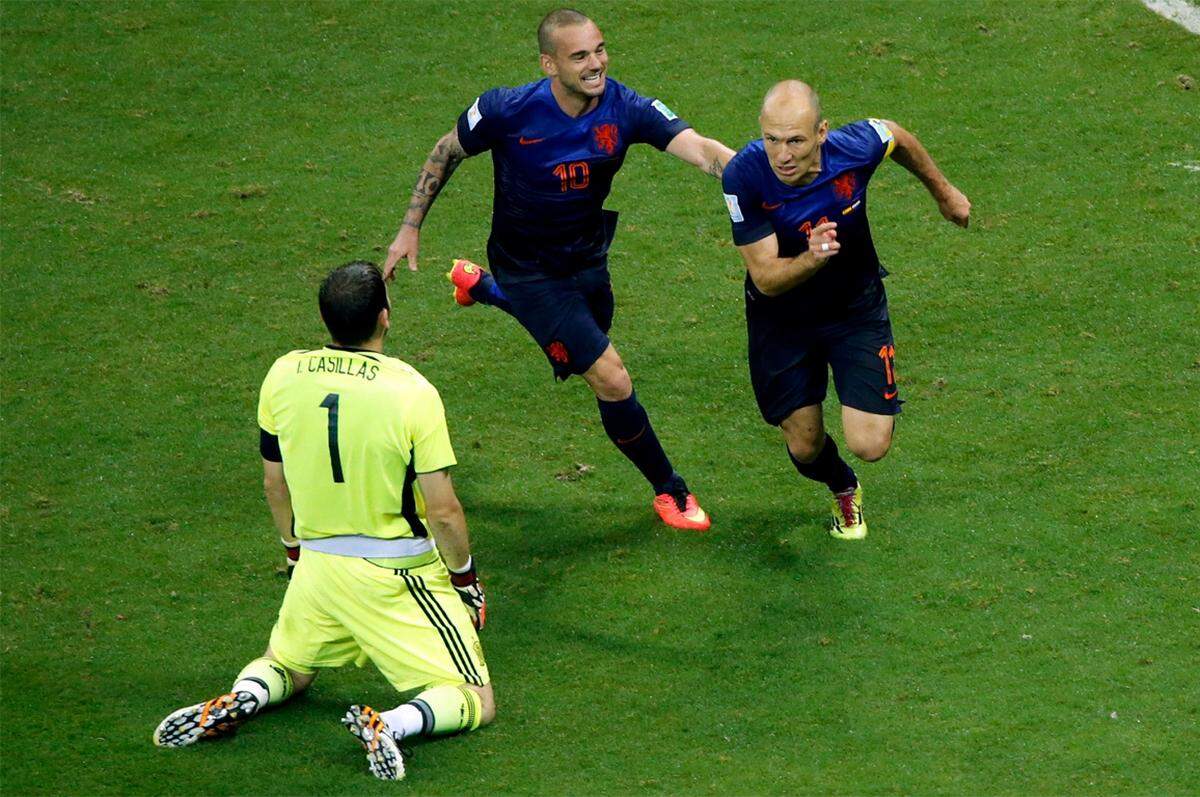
(386,573)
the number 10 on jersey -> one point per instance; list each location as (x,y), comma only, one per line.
(574,176)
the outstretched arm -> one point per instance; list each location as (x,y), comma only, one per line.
(909,153)
(706,154)
(442,162)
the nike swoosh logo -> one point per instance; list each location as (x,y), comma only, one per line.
(525,142)
(636,437)
(889,396)
(776,206)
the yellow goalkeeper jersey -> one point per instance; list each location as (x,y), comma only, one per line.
(355,428)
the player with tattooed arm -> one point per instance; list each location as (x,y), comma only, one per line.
(556,145)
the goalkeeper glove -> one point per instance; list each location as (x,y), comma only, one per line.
(292,549)
(466,582)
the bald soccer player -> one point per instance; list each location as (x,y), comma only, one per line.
(556,145)
(815,301)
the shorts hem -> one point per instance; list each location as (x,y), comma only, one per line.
(893,410)
(291,664)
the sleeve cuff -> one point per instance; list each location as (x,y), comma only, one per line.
(268,446)
(753,235)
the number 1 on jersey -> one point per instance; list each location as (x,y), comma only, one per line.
(335,458)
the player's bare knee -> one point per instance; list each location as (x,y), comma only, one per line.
(804,449)
(870,448)
(611,382)
(804,440)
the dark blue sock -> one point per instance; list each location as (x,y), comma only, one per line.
(629,428)
(828,468)
(487,291)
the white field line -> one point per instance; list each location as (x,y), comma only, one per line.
(1178,11)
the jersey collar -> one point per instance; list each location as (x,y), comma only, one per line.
(364,352)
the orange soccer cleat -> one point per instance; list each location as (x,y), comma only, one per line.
(681,512)
(465,275)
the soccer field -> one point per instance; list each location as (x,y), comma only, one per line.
(1024,617)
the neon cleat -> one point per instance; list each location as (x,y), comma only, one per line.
(383,754)
(220,716)
(848,522)
(465,275)
(681,512)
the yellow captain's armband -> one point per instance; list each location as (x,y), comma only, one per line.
(885,135)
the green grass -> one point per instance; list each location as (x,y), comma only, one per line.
(1024,617)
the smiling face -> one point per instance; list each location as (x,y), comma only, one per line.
(579,63)
(793,132)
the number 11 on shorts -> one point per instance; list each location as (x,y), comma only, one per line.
(888,355)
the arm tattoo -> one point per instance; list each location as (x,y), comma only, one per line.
(715,168)
(433,177)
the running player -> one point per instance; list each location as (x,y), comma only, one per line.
(386,573)
(814,292)
(556,145)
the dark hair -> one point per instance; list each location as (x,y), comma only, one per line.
(552,22)
(351,298)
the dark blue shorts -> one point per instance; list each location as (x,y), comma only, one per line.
(569,316)
(790,364)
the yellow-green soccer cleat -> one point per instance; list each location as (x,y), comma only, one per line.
(383,754)
(217,717)
(848,522)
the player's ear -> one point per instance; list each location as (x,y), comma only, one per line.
(384,321)
(549,68)
(822,131)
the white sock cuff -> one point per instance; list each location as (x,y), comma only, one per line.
(254,687)
(404,720)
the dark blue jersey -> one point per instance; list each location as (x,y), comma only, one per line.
(553,171)
(849,285)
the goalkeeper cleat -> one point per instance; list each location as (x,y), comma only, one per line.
(220,716)
(384,758)
(847,522)
(465,275)
(681,511)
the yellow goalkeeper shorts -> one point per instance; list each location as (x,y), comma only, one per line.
(409,622)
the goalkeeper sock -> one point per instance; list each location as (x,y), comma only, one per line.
(442,709)
(828,468)
(266,679)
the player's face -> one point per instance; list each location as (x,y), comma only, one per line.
(793,146)
(580,60)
